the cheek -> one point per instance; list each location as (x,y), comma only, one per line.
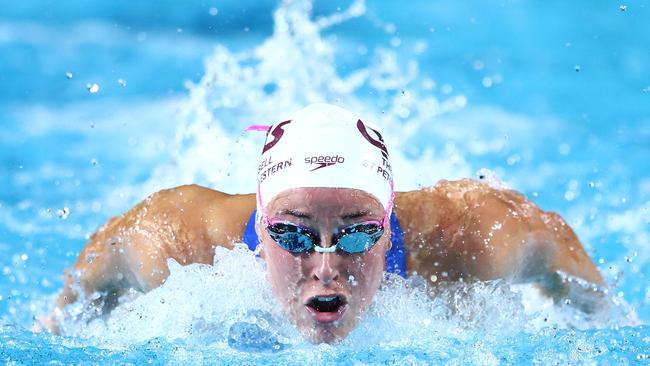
(367,272)
(283,270)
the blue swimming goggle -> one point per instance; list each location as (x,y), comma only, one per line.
(353,239)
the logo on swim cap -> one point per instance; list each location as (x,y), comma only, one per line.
(277,133)
(378,143)
(324,161)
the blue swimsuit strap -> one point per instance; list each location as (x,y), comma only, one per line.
(395,256)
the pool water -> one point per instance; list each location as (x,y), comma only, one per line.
(103,103)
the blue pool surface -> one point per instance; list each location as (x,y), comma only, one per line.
(105,102)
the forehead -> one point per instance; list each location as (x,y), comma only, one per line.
(325,200)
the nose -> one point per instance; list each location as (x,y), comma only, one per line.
(325,268)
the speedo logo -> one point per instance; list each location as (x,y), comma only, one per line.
(322,161)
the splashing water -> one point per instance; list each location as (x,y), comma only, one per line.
(232,316)
(293,68)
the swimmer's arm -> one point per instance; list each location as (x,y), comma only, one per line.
(131,251)
(105,264)
(506,236)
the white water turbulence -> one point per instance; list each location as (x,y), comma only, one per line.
(198,303)
(228,308)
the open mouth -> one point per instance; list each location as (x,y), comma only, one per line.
(327,308)
(326,304)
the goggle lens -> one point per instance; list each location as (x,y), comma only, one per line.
(351,240)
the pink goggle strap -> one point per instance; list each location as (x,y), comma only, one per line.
(389,206)
(264,128)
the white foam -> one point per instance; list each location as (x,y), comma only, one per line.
(202,303)
(195,300)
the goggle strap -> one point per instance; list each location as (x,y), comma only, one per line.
(391,200)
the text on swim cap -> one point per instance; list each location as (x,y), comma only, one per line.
(384,170)
(324,161)
(267,168)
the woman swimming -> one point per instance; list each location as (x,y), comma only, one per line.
(328,223)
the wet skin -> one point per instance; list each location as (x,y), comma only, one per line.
(454,230)
(295,279)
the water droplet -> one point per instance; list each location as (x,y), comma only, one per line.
(68,75)
(162,301)
(487,82)
(94,162)
(63,213)
(460,101)
(213,11)
(93,88)
(513,159)
(428,84)
(433,278)
(353,281)
(623,7)
(122,82)
(564,149)
(577,68)
(24,257)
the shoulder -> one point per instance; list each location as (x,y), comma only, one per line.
(456,198)
(469,190)
(189,193)
(174,209)
(468,196)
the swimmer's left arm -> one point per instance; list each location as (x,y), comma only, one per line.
(507,236)
(468,230)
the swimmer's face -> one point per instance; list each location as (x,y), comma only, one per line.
(305,284)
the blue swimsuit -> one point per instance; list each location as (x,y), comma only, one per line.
(395,256)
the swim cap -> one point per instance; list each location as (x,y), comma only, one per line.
(324,146)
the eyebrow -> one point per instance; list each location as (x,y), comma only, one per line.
(304,215)
(295,213)
(355,215)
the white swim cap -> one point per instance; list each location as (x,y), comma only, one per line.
(324,146)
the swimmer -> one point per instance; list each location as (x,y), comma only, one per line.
(325,215)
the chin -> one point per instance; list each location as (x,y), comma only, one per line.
(319,333)
(329,332)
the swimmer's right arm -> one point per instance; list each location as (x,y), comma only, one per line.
(131,251)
